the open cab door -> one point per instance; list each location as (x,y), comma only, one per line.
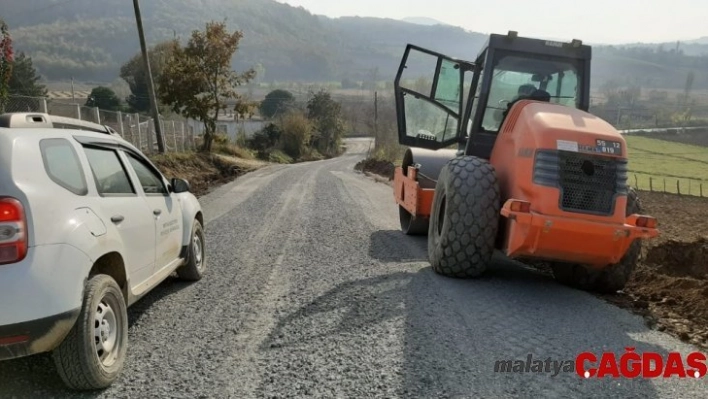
(431,114)
(429,90)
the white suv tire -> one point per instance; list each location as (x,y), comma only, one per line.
(193,269)
(93,353)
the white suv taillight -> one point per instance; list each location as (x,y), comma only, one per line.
(13,231)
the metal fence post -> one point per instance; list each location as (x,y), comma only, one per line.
(149,127)
(97,114)
(78,111)
(174,135)
(120,124)
(140,139)
(44,105)
(183,142)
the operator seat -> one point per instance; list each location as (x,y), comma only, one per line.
(536,95)
(525,90)
(540,95)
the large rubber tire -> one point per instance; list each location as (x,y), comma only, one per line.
(412,226)
(610,279)
(464,218)
(194,269)
(101,330)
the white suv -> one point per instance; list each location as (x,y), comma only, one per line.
(88,225)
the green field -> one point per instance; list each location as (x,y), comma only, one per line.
(660,163)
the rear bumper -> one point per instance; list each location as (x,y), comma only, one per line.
(35,336)
(40,298)
(572,240)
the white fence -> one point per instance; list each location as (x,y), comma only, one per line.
(135,128)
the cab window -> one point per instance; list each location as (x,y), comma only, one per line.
(517,77)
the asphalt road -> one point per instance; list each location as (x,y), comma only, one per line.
(313,291)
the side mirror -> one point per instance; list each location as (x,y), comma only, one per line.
(179,185)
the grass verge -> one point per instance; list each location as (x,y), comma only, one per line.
(667,166)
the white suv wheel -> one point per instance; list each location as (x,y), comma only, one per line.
(92,355)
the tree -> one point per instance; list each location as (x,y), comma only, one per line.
(276,102)
(329,124)
(687,88)
(6,61)
(197,80)
(265,139)
(245,108)
(296,133)
(133,72)
(25,80)
(104,98)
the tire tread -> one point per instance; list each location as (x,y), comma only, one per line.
(465,247)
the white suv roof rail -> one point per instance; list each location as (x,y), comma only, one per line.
(42,120)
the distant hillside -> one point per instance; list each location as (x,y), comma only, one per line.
(702,40)
(91,39)
(423,21)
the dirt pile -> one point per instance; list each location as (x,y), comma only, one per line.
(670,285)
(377,167)
(680,259)
(204,171)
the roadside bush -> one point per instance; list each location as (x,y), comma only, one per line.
(221,138)
(233,151)
(328,122)
(278,156)
(312,155)
(241,139)
(310,134)
(296,134)
(265,139)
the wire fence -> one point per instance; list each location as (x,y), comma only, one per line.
(366,113)
(138,129)
(684,186)
(652,117)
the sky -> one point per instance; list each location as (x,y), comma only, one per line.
(594,21)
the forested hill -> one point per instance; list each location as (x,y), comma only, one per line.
(90,39)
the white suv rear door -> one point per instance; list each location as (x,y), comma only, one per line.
(121,204)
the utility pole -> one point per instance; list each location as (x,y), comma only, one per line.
(376,116)
(151,87)
(73,95)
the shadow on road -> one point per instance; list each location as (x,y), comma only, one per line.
(394,246)
(20,376)
(170,286)
(455,330)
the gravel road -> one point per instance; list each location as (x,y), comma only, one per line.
(312,291)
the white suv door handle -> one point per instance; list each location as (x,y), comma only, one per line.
(117,218)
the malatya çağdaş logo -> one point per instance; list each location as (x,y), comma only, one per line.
(630,364)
